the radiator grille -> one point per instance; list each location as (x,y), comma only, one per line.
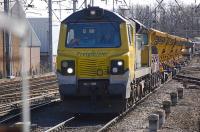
(92,68)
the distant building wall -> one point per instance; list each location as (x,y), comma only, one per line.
(41,28)
(54,62)
(1,54)
(15,58)
(35,59)
(32,49)
(32,57)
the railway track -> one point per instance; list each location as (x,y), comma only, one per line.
(17,115)
(42,89)
(187,79)
(60,126)
(6,108)
(100,126)
(81,123)
(14,86)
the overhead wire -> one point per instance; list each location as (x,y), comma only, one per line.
(161,6)
(159,3)
(178,4)
(180,8)
(29,4)
(54,13)
(126,3)
(81,5)
(196,7)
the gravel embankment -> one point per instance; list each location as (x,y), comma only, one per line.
(184,117)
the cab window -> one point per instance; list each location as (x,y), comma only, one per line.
(93,35)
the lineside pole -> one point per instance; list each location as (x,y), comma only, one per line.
(85,3)
(7,42)
(113,5)
(50,36)
(74,5)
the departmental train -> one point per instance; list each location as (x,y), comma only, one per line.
(107,62)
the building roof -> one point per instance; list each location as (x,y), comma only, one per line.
(41,28)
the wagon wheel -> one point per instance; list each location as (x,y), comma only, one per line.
(142,92)
(152,83)
(132,98)
(125,105)
(138,92)
(159,81)
(148,86)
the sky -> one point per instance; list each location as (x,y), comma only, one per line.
(40,10)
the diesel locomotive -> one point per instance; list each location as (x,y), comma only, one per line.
(107,62)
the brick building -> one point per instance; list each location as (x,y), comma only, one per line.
(32,49)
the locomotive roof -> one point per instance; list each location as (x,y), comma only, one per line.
(82,16)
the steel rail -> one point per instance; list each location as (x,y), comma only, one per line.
(60,126)
(188,77)
(12,86)
(187,80)
(32,85)
(11,93)
(18,79)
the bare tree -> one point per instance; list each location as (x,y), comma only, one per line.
(174,18)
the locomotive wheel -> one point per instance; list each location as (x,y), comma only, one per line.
(125,104)
(142,91)
(152,82)
(149,86)
(146,87)
(162,78)
(159,82)
(139,92)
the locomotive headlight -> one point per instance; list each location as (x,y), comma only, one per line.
(68,67)
(114,70)
(92,12)
(70,70)
(119,63)
(65,64)
(117,67)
